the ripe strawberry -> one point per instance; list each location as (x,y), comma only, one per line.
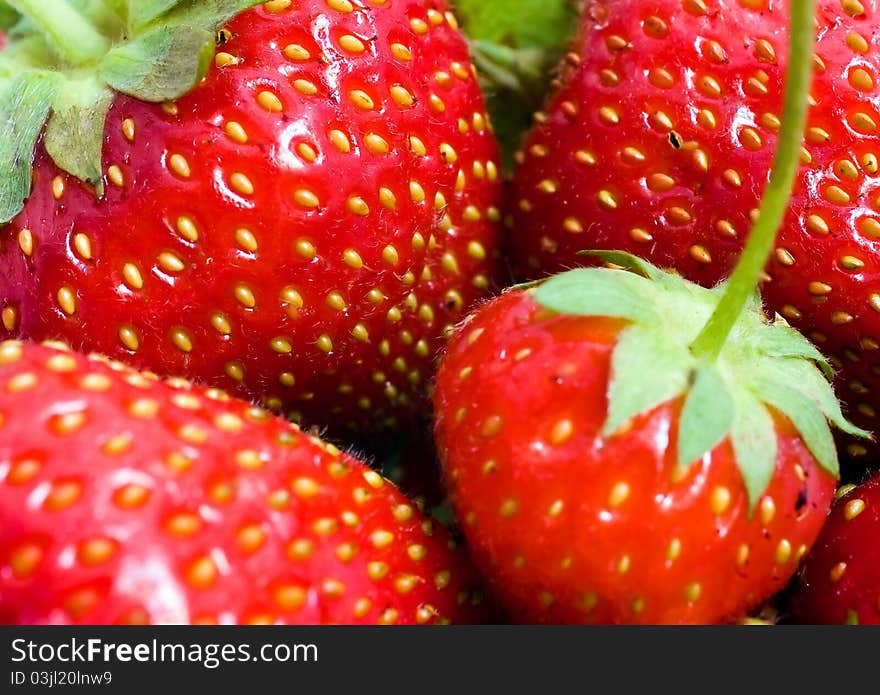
(300,228)
(840,581)
(572,525)
(659,140)
(124,499)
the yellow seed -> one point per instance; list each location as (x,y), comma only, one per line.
(59,364)
(767,510)
(390,255)
(448,153)
(351,43)
(707,119)
(857,42)
(818,225)
(221,324)
(561,432)
(401,96)
(336,301)
(26,242)
(783,552)
(270,102)
(352,259)
(324,344)
(508,508)
(307,152)
(618,495)
(281,345)
(306,198)
(296,52)
(224,60)
(861,79)
(837,572)
(246,240)
(244,295)
(236,132)
(241,183)
(22,382)
(128,129)
(361,99)
(179,165)
(673,550)
(9,318)
(692,592)
(607,200)
(709,86)
(182,340)
(115,175)
(58,187)
(306,87)
(358,206)
(853,508)
(818,136)
(67,300)
(170,262)
(836,195)
(751,139)
(377,144)
(721,499)
(83,246)
(68,423)
(129,338)
(853,8)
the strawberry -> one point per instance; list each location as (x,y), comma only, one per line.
(658,142)
(300,227)
(840,580)
(125,499)
(570,524)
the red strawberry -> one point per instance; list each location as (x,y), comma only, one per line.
(300,228)
(840,581)
(659,140)
(124,499)
(572,525)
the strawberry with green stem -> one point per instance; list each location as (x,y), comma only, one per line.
(658,142)
(124,499)
(631,447)
(297,214)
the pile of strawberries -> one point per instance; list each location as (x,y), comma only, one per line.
(239,240)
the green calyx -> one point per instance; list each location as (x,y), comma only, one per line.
(763,366)
(65,61)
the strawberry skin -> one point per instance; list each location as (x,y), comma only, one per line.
(840,580)
(124,499)
(658,142)
(300,229)
(569,526)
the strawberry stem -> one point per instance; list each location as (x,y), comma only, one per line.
(69,31)
(774,204)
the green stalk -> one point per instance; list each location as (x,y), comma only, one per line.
(69,32)
(774,204)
